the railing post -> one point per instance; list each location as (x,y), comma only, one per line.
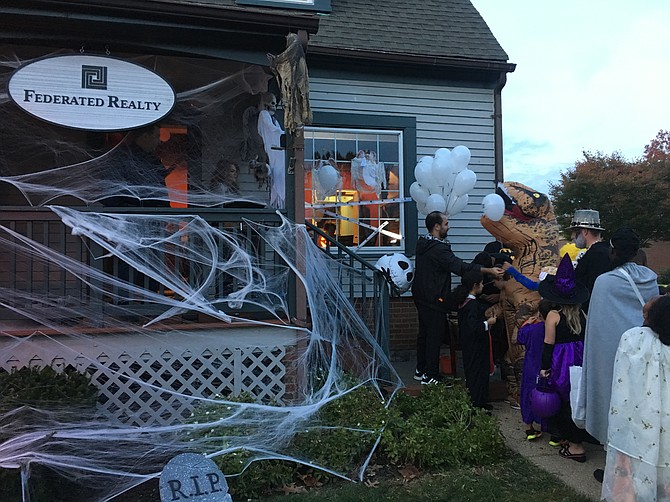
(382,319)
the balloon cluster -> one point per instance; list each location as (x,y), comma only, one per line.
(443,181)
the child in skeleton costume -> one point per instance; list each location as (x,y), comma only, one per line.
(270,131)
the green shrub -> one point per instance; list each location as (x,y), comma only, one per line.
(440,428)
(45,388)
(664,277)
(342,442)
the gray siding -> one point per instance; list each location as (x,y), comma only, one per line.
(445,117)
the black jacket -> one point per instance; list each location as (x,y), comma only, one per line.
(435,262)
(594,262)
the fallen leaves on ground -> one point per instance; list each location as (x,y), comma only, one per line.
(409,473)
(292,488)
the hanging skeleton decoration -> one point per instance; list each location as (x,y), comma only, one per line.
(271,132)
(367,174)
(290,68)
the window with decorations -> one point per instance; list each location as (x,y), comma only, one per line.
(354,186)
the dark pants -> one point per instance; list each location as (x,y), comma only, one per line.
(476,366)
(563,425)
(432,327)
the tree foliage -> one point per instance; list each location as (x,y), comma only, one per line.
(626,193)
(659,148)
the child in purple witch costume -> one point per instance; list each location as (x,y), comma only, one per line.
(564,347)
(531,335)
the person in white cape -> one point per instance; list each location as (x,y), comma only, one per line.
(638,439)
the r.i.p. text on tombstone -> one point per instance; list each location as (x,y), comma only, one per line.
(194,478)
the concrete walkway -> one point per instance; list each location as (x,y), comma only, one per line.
(576,475)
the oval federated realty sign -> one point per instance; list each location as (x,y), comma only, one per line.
(93,93)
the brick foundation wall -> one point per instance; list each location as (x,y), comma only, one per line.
(658,256)
(404,325)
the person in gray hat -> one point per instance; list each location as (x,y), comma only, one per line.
(587,233)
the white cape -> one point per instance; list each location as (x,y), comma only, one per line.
(638,444)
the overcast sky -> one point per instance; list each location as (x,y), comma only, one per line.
(591,75)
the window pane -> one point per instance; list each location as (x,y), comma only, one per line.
(388,149)
(324,148)
(309,147)
(346,149)
(344,197)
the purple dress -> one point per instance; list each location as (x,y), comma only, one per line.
(568,351)
(532,336)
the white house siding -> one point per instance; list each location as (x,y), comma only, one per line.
(446,116)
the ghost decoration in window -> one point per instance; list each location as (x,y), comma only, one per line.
(326,179)
(367,174)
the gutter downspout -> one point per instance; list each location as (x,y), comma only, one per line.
(497,127)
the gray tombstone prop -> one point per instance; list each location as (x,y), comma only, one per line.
(192,477)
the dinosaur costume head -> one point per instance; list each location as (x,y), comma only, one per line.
(528,228)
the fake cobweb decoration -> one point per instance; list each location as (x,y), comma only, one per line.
(126,274)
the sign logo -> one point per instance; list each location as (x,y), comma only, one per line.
(92,93)
(93,77)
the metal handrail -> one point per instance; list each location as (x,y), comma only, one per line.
(382,286)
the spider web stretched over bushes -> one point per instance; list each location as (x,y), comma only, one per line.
(227,273)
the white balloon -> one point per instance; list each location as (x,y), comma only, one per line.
(436,188)
(423,173)
(443,154)
(461,157)
(464,182)
(494,206)
(441,168)
(418,192)
(457,204)
(435,202)
(421,207)
(329,178)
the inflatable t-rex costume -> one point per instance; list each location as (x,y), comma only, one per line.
(530,230)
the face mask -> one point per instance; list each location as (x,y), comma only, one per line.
(580,241)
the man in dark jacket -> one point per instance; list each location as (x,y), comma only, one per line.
(587,233)
(431,290)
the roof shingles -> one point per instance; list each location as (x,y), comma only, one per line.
(433,28)
(438,28)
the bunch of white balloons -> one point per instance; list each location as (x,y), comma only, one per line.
(443,181)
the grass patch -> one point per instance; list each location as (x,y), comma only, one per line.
(512,479)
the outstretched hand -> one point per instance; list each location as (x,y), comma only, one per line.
(497,272)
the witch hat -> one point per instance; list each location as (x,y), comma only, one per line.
(563,287)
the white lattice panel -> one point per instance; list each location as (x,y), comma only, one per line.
(149,380)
